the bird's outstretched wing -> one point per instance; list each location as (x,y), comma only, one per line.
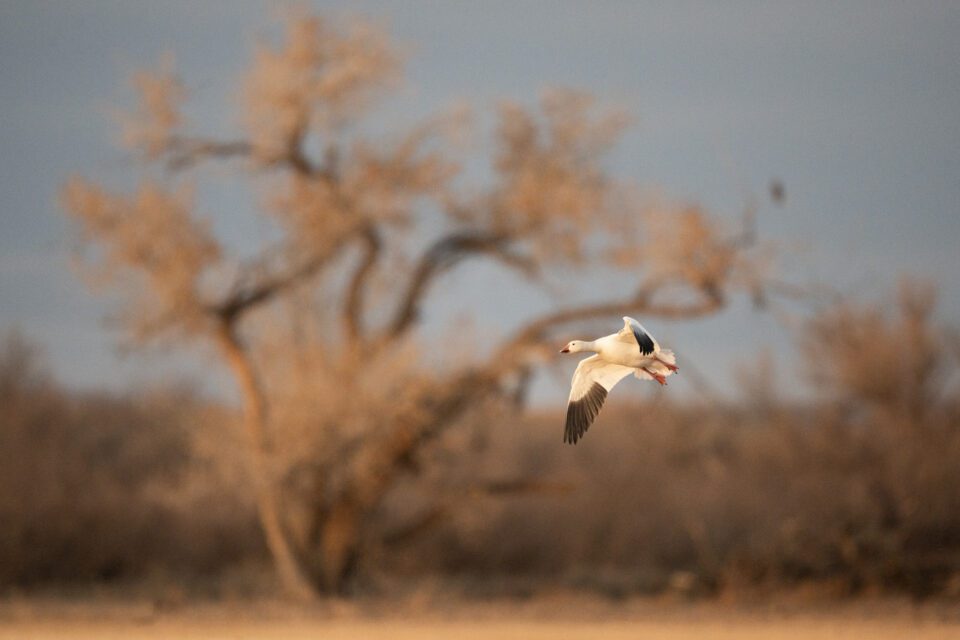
(633,331)
(591,382)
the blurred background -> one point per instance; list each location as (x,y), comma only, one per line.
(282,286)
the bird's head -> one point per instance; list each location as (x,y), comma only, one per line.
(573,346)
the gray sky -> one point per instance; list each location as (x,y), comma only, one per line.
(854,105)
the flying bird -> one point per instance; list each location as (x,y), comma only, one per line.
(630,350)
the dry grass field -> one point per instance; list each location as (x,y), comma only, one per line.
(553,619)
(410,630)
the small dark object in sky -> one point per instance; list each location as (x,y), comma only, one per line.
(777,192)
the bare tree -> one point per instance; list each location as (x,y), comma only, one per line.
(319,325)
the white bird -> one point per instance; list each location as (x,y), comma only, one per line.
(630,350)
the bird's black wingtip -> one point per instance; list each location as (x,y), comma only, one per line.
(645,342)
(581,413)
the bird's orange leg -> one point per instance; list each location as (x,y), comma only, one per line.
(672,367)
(656,376)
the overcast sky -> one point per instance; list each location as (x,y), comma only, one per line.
(855,106)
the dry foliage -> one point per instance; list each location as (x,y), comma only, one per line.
(96,487)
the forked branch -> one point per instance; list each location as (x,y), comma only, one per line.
(443,255)
(244,297)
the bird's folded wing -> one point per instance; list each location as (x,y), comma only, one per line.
(633,331)
(591,382)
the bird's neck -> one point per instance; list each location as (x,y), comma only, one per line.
(590,346)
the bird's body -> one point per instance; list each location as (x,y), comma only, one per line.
(615,350)
(630,350)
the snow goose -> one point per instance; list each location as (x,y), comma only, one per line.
(630,350)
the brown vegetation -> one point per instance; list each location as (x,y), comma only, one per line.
(855,491)
(96,487)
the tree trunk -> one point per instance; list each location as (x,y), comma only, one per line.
(339,527)
(293,579)
(339,541)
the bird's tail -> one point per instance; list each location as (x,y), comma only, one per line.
(665,365)
(667,356)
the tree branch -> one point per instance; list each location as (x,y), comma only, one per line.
(353,309)
(186,152)
(442,256)
(295,156)
(242,298)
